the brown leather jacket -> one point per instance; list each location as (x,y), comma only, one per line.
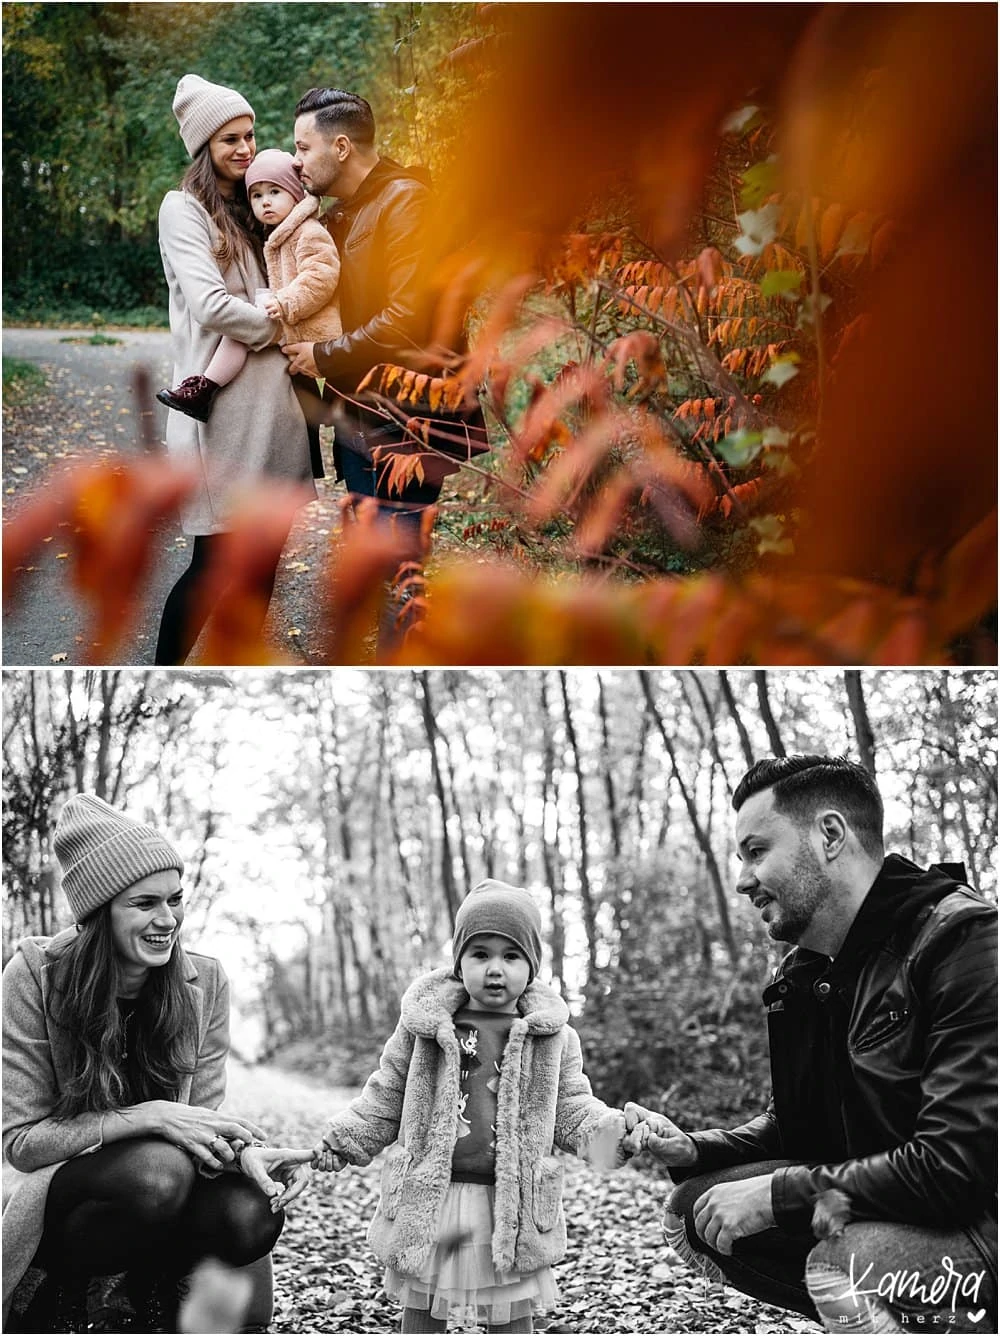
(383,299)
(884,1064)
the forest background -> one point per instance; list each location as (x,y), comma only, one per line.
(332,823)
(732,312)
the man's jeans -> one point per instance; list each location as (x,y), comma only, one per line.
(876,1276)
(361,478)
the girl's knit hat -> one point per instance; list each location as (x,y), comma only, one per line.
(274,164)
(507,911)
(101,851)
(202,108)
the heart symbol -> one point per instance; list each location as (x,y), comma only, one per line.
(980,1312)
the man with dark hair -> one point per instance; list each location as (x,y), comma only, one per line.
(378,222)
(882,1031)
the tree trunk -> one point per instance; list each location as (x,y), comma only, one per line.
(859,713)
(704,844)
(447,868)
(550,842)
(951,724)
(586,894)
(773,736)
(614,825)
(741,731)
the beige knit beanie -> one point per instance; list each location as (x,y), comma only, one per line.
(508,911)
(202,108)
(101,851)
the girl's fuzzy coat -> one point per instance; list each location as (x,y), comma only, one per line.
(303,270)
(411,1104)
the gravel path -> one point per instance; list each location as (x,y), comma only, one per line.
(89,413)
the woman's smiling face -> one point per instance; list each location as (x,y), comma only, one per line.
(146,921)
(232,149)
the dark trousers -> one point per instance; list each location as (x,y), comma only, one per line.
(876,1276)
(363,478)
(139,1207)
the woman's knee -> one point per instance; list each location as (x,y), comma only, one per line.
(234,1220)
(154,1179)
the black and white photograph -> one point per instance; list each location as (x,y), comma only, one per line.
(610,1001)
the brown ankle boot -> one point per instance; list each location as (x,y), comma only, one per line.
(192,396)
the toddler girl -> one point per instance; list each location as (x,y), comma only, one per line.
(481,1079)
(303,269)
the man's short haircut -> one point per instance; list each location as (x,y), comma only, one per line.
(339,113)
(804,784)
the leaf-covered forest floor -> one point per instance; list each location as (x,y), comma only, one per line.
(618,1275)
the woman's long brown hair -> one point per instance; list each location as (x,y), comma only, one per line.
(86,985)
(232,217)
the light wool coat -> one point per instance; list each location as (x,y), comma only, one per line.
(303,270)
(257,430)
(36,1065)
(411,1104)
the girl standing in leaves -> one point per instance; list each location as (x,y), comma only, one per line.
(481,1080)
(115,1043)
(212,264)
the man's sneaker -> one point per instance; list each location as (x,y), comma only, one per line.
(192,396)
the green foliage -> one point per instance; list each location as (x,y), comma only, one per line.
(90,145)
(22,381)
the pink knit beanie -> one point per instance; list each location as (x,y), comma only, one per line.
(508,911)
(274,164)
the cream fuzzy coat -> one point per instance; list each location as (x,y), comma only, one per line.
(37,1063)
(411,1105)
(257,430)
(303,270)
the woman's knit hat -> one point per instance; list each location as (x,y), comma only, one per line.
(274,164)
(202,108)
(507,911)
(101,851)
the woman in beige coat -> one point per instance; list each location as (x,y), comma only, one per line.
(213,268)
(303,270)
(115,1043)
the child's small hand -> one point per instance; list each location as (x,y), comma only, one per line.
(327,1161)
(634,1142)
(662,1138)
(272,307)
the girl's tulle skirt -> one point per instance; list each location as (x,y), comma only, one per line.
(460,1282)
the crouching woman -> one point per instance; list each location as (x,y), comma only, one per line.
(115,1042)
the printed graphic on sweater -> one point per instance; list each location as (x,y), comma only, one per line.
(482,1037)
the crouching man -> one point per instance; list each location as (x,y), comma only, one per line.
(866,1194)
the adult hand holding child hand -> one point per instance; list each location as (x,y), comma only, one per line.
(646,1130)
(282,1172)
(327,1160)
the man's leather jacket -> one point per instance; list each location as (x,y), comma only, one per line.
(383,299)
(888,1052)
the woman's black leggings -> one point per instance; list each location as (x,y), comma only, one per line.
(140,1203)
(179,625)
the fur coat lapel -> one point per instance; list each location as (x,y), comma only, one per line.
(306,208)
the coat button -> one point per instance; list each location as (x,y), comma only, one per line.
(822,989)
